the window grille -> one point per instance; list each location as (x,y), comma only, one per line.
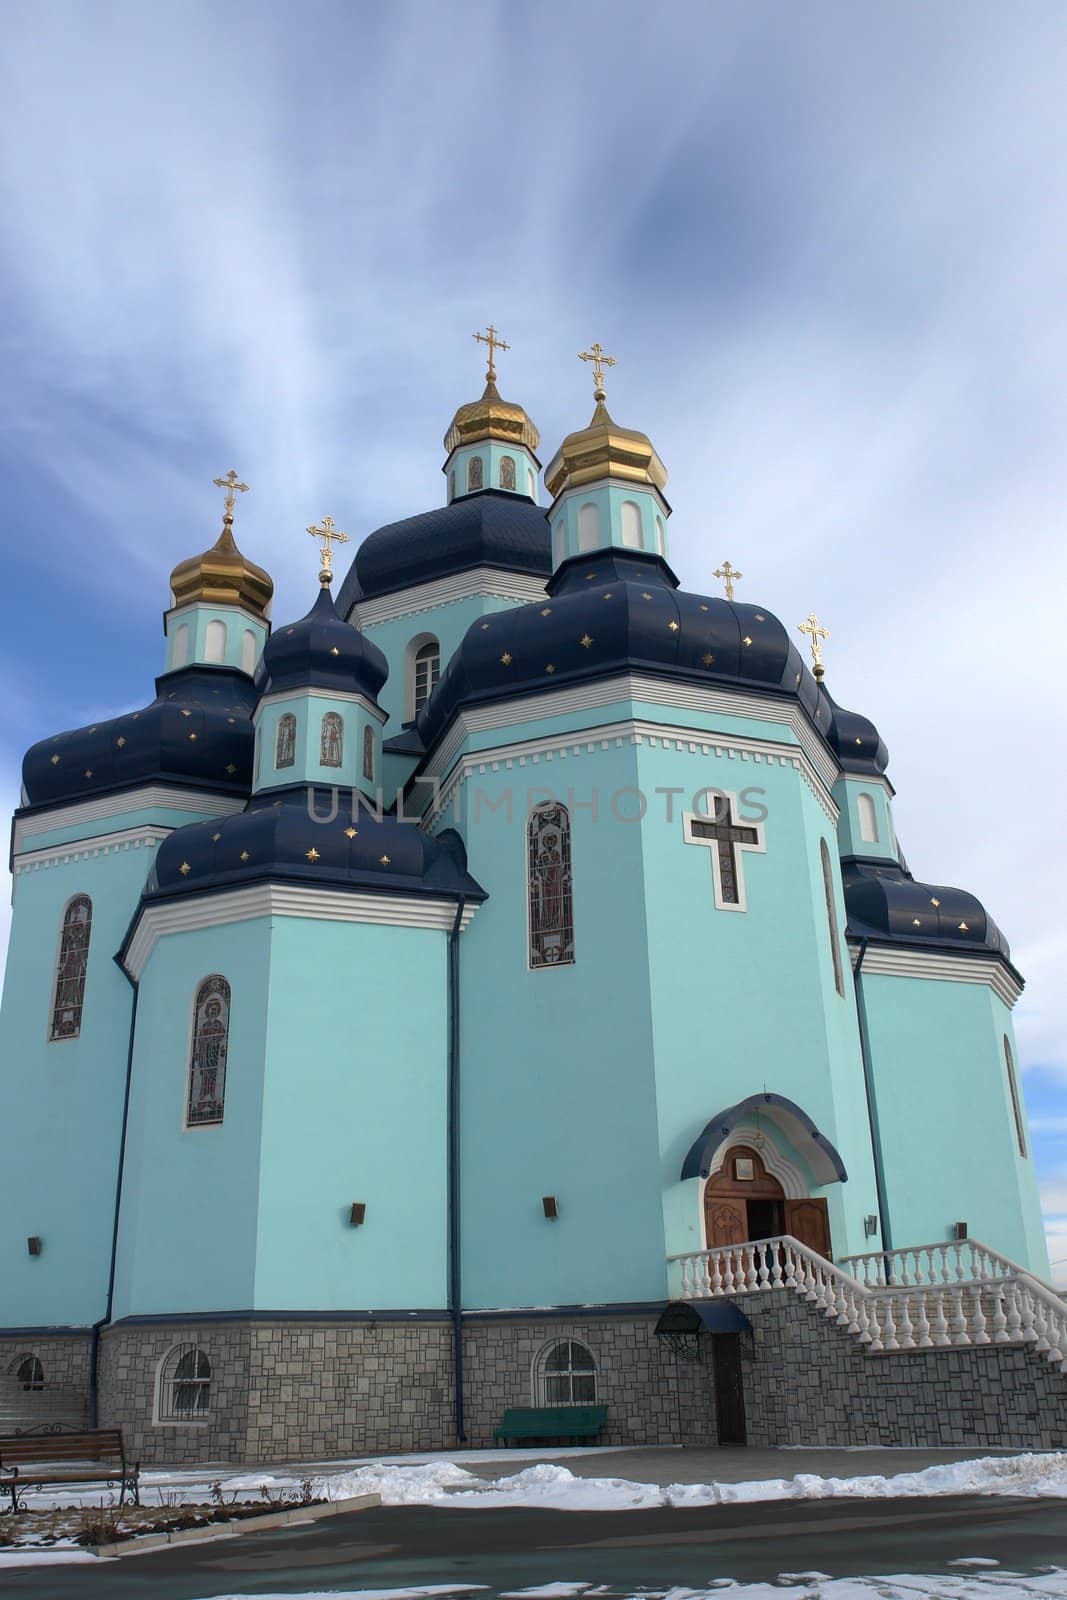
(185,1385)
(207,1064)
(567,1376)
(427,672)
(71,969)
(551,898)
(29,1372)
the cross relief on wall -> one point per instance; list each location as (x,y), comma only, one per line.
(726,837)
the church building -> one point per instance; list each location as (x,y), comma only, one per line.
(425,1006)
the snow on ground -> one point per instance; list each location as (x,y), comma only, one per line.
(1048,1584)
(45,1558)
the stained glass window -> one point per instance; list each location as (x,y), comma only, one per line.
(368,753)
(207,1065)
(474,472)
(285,741)
(185,1385)
(507,472)
(568,1375)
(332,742)
(427,672)
(831,917)
(71,969)
(550,891)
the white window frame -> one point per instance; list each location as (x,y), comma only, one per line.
(162,1416)
(758,848)
(414,645)
(539,1375)
(868,819)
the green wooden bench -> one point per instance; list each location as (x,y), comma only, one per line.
(551,1422)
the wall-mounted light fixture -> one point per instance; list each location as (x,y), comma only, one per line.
(551,1205)
(959,1230)
(870,1225)
(357,1214)
(33,1244)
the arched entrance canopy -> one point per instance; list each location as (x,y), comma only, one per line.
(826,1164)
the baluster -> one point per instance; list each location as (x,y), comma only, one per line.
(961,1271)
(863,1316)
(811,1281)
(980,1334)
(907,1334)
(842,1304)
(716,1273)
(958,1320)
(777,1281)
(944,1266)
(764,1270)
(889,1325)
(923,1325)
(686,1265)
(940,1325)
(748,1266)
(1000,1321)
(1026,1313)
(1014,1313)
(905,1277)
(1040,1324)
(791,1268)
(875,1308)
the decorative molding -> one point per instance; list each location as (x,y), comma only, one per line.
(160,918)
(735,820)
(894,961)
(492,582)
(778,1165)
(563,746)
(104,844)
(117,805)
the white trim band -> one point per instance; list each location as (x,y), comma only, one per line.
(285,900)
(892,961)
(117,805)
(104,844)
(492,582)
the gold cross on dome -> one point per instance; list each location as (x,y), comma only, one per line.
(233,489)
(600,360)
(730,576)
(330,536)
(816,634)
(491,338)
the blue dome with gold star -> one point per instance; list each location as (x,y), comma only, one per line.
(621,611)
(855,741)
(885,903)
(321,651)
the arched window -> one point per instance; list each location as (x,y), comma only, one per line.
(1016,1102)
(531,483)
(427,672)
(184,1385)
(507,472)
(565,1375)
(589,528)
(661,542)
(632,536)
(561,542)
(831,917)
(28,1371)
(71,968)
(452,484)
(215,641)
(248,652)
(368,753)
(207,1059)
(868,819)
(474,473)
(285,741)
(551,900)
(180,654)
(332,741)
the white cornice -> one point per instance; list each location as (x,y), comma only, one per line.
(117,805)
(284,900)
(494,582)
(103,844)
(564,746)
(943,967)
(346,696)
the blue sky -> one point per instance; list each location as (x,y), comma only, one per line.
(826,244)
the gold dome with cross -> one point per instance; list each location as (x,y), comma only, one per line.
(603,449)
(491,417)
(222,576)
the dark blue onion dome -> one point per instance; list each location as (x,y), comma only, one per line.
(614,611)
(323,652)
(494,528)
(886,904)
(855,741)
(303,836)
(196,733)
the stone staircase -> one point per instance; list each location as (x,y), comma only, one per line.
(958,1294)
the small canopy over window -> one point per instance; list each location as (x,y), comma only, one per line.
(566,1375)
(71,968)
(184,1385)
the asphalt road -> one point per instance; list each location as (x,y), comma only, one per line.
(403,1546)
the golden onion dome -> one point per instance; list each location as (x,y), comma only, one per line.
(492,418)
(604,450)
(222,576)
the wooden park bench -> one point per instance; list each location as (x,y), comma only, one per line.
(39,1460)
(551,1422)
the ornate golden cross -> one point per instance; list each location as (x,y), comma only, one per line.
(489,337)
(730,577)
(596,355)
(816,633)
(329,536)
(233,488)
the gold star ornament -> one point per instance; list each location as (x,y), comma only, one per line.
(312,854)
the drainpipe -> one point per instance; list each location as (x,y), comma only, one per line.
(872,1106)
(455,1289)
(94,1332)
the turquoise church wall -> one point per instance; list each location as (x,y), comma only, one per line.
(491,453)
(309,711)
(335,1092)
(945,1116)
(226,635)
(59,1137)
(849,795)
(643,528)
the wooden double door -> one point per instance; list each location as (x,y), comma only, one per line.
(743,1202)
